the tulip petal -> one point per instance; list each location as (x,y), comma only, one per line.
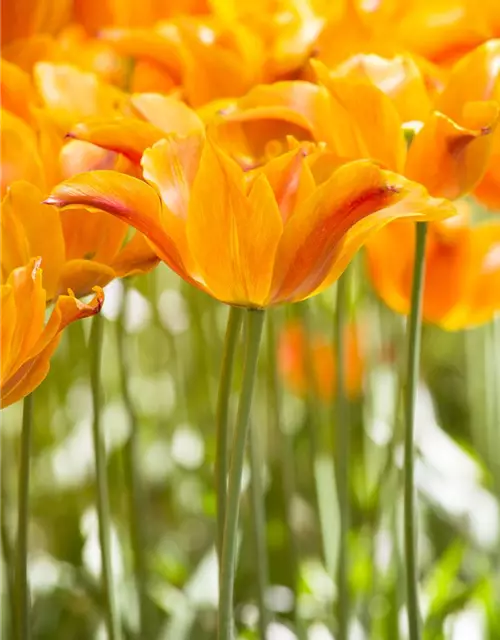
(475,77)
(34,366)
(18,93)
(390,264)
(127,136)
(71,95)
(482,300)
(128,199)
(290,179)
(136,257)
(226,66)
(7,327)
(268,114)
(42,228)
(232,236)
(399,78)
(168,114)
(378,137)
(163,48)
(442,29)
(81,276)
(321,238)
(170,166)
(15,249)
(19,153)
(29,300)
(449,159)
(91,236)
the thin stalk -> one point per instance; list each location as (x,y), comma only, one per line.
(103,515)
(136,517)
(321,459)
(342,462)
(413,363)
(287,464)
(259,530)
(234,322)
(8,550)
(255,321)
(22,586)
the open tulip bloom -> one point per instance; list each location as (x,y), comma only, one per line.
(280,233)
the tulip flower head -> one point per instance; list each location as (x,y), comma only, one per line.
(79,248)
(462,281)
(280,233)
(26,342)
(293,352)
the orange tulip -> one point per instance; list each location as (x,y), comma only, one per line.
(129,13)
(79,249)
(278,234)
(476,78)
(288,29)
(462,282)
(293,352)
(26,343)
(146,119)
(438,30)
(448,156)
(206,57)
(24,18)
(38,117)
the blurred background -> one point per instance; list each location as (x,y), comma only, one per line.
(163,340)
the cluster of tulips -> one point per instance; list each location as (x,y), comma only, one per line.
(254,148)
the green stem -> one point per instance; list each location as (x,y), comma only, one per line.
(287,464)
(8,550)
(234,322)
(342,462)
(255,321)
(321,459)
(103,515)
(259,531)
(134,486)
(22,586)
(414,336)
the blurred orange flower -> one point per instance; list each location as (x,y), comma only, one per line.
(37,115)
(94,16)
(462,277)
(293,352)
(438,30)
(207,58)
(448,156)
(146,118)
(278,234)
(25,18)
(26,342)
(79,249)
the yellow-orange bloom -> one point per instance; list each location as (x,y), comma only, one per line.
(206,58)
(438,30)
(96,15)
(293,352)
(449,157)
(278,234)
(26,342)
(462,281)
(24,18)
(146,118)
(79,249)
